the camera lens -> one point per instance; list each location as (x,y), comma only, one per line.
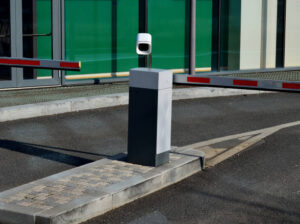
(143,47)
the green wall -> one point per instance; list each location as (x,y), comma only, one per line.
(44,26)
(168,22)
(169,26)
(230,34)
(101,34)
(203,33)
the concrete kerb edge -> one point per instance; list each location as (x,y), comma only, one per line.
(80,211)
(161,178)
(139,189)
(160,181)
(96,102)
(77,214)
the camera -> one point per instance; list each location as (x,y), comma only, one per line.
(144,44)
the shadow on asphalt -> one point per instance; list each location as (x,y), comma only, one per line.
(44,152)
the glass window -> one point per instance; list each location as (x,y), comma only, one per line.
(230,34)
(37,35)
(102,35)
(203,35)
(168,22)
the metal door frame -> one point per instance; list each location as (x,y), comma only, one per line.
(16,24)
(13,81)
(56,46)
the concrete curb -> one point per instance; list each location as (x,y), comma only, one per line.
(85,192)
(28,204)
(96,102)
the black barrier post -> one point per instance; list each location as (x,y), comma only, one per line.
(150,111)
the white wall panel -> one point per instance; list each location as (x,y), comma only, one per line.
(271,33)
(292,44)
(251,24)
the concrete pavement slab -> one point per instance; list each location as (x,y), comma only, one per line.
(84,192)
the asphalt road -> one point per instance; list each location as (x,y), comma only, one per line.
(35,148)
(261,185)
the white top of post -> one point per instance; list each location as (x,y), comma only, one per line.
(157,79)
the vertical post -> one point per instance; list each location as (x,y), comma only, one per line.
(34,38)
(19,39)
(13,31)
(280,46)
(114,36)
(216,35)
(150,60)
(56,30)
(57,40)
(143,26)
(150,110)
(62,40)
(264,33)
(13,41)
(192,37)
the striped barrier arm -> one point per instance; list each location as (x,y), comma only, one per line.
(237,82)
(40,64)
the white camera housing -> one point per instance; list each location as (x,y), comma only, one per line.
(144,44)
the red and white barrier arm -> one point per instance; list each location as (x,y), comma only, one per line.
(235,82)
(40,64)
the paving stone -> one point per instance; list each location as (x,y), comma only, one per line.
(82,186)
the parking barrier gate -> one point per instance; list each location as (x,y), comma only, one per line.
(286,79)
(40,64)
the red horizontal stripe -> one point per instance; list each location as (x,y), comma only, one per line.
(290,85)
(69,64)
(25,62)
(19,62)
(238,82)
(198,79)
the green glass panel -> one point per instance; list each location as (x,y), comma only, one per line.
(5,72)
(128,27)
(230,34)
(203,33)
(101,34)
(44,26)
(37,34)
(168,24)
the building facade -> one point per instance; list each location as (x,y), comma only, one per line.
(230,35)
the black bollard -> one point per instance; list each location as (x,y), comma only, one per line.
(150,110)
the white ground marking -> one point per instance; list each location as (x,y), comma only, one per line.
(214,156)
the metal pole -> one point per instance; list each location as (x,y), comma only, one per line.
(192,37)
(143,26)
(114,35)
(216,36)
(281,26)
(150,60)
(264,33)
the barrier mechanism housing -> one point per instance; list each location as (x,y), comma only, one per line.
(150,108)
